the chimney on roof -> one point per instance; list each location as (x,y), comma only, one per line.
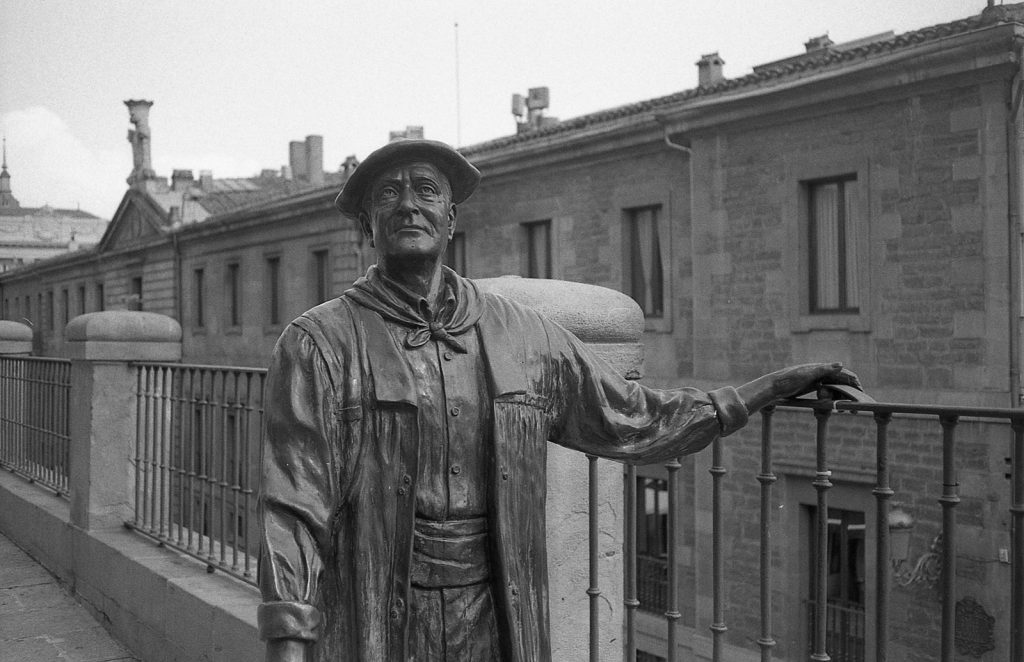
(709,70)
(315,160)
(818,43)
(297,159)
(410,132)
(181,180)
(206,180)
(533,105)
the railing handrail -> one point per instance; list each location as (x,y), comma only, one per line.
(959,411)
(200,366)
(40,359)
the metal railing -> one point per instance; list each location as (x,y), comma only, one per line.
(198,438)
(34,400)
(825,625)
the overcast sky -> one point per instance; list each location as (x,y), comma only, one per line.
(234,81)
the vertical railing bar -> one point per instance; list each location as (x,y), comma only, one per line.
(225,408)
(152,400)
(766,478)
(140,427)
(672,599)
(192,456)
(883,492)
(718,627)
(822,484)
(247,491)
(629,598)
(594,590)
(949,500)
(1017,540)
(201,442)
(241,421)
(166,527)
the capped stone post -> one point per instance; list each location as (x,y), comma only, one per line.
(611,324)
(103,411)
(15,338)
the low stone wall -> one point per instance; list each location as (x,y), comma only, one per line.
(162,605)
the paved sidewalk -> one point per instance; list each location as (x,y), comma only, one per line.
(41,622)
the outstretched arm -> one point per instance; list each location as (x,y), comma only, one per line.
(793,381)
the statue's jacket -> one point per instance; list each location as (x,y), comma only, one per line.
(337,497)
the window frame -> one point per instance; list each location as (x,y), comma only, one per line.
(529,229)
(273,282)
(659,323)
(843,250)
(198,290)
(817,168)
(233,296)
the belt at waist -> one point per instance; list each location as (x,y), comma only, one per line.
(449,554)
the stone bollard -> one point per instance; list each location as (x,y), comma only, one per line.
(103,416)
(611,324)
(15,339)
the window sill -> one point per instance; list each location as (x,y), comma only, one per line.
(658,324)
(233,331)
(853,322)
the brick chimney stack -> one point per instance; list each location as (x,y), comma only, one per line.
(297,159)
(315,160)
(181,180)
(709,70)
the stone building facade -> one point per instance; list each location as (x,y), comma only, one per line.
(857,202)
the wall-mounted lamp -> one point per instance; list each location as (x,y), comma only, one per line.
(927,568)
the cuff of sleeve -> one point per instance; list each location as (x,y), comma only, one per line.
(288,620)
(732,411)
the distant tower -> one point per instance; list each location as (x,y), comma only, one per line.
(139,137)
(7,198)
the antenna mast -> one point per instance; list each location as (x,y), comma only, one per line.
(458,92)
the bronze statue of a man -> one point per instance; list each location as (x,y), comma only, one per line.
(403,487)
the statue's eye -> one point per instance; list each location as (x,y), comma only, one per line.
(426,189)
(387,193)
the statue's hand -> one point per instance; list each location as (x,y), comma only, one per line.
(798,380)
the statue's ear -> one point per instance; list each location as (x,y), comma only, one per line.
(364,224)
(452,213)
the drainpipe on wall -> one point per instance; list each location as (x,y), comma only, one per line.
(1015,158)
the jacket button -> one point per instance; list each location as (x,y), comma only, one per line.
(406,479)
(456,469)
(394,614)
(504,473)
(402,491)
(455,411)
(447,356)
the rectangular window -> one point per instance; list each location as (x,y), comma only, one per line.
(844,612)
(652,543)
(455,254)
(135,294)
(51,319)
(832,220)
(17,308)
(644,269)
(40,311)
(101,297)
(538,249)
(81,299)
(234,295)
(65,302)
(28,308)
(198,299)
(274,290)
(321,276)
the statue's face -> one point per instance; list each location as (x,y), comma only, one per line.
(411,212)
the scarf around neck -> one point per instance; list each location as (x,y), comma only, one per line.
(459,310)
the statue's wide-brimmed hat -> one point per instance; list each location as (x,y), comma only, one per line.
(462,175)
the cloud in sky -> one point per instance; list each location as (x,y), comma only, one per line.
(50,165)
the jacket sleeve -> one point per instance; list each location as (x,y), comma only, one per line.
(599,412)
(298,493)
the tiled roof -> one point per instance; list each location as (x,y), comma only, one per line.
(765,75)
(45,211)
